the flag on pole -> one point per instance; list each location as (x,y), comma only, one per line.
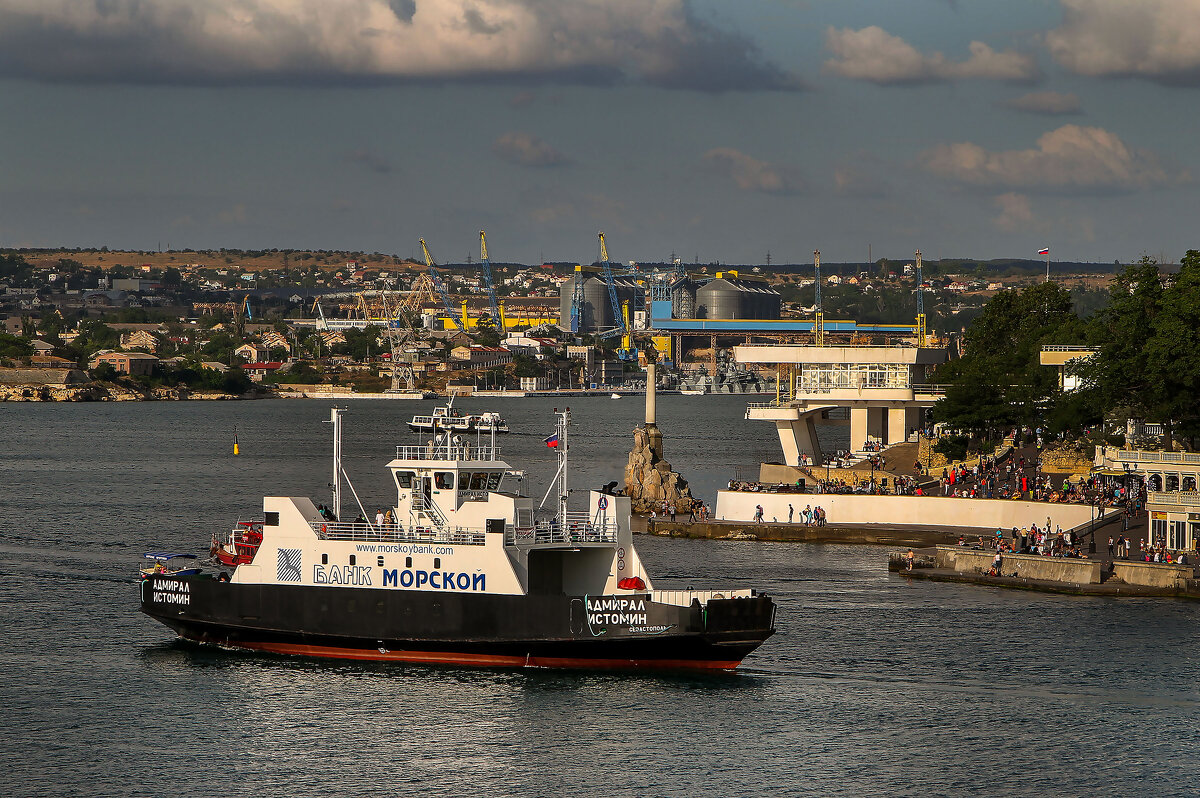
(1044,251)
(552,441)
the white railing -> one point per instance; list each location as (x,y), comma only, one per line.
(1189,498)
(461,451)
(1068,348)
(341,530)
(1140,456)
(579,529)
(683,598)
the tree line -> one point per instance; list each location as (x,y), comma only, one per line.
(1146,364)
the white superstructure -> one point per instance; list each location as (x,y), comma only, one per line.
(457,524)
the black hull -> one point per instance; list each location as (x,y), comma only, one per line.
(461,628)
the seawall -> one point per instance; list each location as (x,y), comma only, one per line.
(907,511)
(875,534)
(1083,577)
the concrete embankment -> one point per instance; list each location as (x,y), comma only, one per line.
(906,511)
(877,534)
(1082,577)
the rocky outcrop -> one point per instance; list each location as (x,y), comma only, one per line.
(649,480)
(53,393)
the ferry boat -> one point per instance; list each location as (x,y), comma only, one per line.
(448,419)
(462,572)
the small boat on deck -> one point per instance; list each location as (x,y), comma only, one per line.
(169,565)
(240,546)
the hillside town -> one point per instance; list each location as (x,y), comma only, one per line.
(97,324)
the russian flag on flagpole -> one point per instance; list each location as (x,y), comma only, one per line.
(552,441)
(1044,251)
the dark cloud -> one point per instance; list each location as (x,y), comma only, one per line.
(525,149)
(522,99)
(1046,103)
(316,42)
(403,9)
(1150,39)
(371,161)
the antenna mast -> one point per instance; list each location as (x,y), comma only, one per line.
(920,305)
(819,319)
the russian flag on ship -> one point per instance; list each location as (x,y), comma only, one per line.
(1044,251)
(552,441)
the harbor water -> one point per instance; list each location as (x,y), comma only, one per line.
(873,685)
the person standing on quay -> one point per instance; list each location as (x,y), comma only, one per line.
(791,512)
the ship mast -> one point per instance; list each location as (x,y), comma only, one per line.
(564,421)
(335,418)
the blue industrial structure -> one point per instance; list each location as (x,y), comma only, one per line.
(661,319)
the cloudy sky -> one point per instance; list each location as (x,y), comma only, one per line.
(718,130)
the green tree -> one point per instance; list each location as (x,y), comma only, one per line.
(1121,377)
(359,343)
(485,333)
(999,381)
(220,347)
(1173,351)
(93,335)
(12,346)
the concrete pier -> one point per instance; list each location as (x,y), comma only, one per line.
(873,534)
(1082,577)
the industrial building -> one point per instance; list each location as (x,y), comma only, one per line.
(727,296)
(596,311)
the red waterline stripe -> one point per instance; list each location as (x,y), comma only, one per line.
(492,660)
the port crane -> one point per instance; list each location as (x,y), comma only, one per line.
(620,326)
(497,316)
(441,287)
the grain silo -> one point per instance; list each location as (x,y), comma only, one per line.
(722,298)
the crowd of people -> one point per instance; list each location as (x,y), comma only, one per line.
(1046,541)
(667,511)
(809,516)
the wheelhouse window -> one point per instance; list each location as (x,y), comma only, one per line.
(443,480)
(404,479)
(479,480)
(493,482)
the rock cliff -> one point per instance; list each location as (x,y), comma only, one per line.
(649,480)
